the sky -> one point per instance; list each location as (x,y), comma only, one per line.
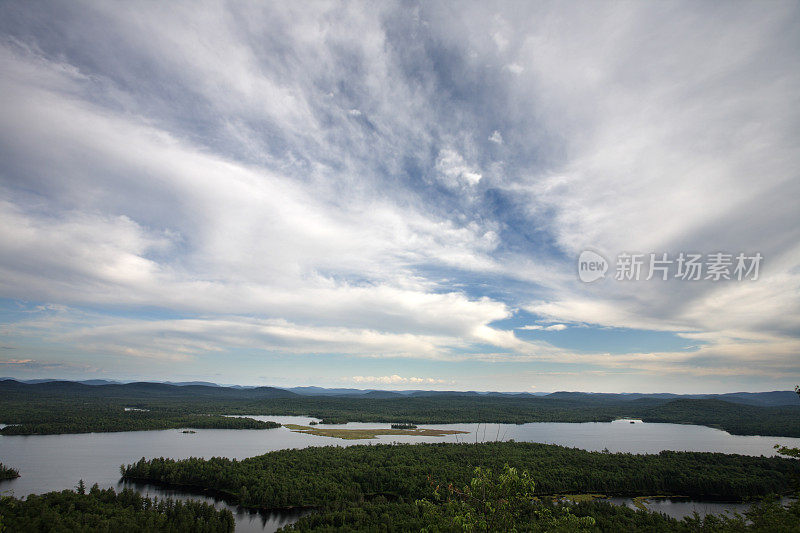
(396,195)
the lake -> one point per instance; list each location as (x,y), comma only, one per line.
(57,462)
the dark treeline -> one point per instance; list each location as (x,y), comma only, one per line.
(323,476)
(71,407)
(91,419)
(6,472)
(146,390)
(106,510)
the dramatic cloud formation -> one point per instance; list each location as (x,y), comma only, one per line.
(363,192)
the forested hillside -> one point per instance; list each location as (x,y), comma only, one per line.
(738,419)
(59,407)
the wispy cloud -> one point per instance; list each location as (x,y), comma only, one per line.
(198,181)
(554,327)
(394,379)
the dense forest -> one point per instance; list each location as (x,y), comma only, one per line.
(507,501)
(65,407)
(737,419)
(107,511)
(6,472)
(324,476)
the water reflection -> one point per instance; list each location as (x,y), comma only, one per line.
(246,519)
(683,507)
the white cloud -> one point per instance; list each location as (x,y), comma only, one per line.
(249,240)
(225,179)
(454,171)
(652,143)
(394,379)
(554,327)
(186,338)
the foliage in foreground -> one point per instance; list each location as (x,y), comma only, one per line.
(768,516)
(505,502)
(108,511)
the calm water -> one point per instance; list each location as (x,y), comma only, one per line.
(681,507)
(57,462)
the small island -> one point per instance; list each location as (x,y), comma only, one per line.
(404,426)
(355,434)
(6,472)
(332,421)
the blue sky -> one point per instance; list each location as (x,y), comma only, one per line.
(395,195)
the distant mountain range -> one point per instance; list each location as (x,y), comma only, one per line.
(771,398)
(93,389)
(204,388)
(114,382)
